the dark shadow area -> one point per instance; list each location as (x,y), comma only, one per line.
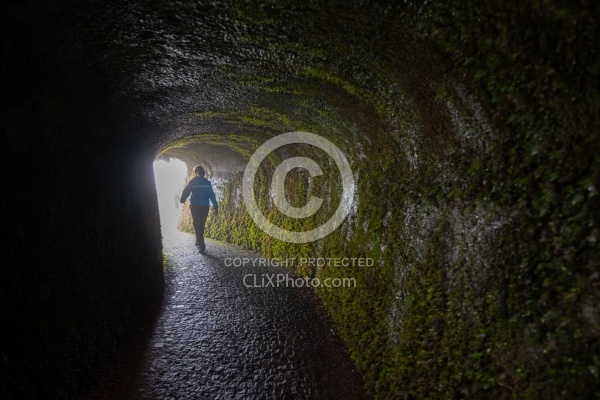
(119,376)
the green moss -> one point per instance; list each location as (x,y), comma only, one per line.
(477,184)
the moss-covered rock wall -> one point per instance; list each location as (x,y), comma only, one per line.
(471,129)
(474,154)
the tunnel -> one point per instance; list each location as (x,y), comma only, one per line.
(471,135)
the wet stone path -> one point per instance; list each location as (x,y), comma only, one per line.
(218,339)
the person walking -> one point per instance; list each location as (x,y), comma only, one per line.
(202,194)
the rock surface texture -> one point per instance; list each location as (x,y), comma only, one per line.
(471,129)
(217,338)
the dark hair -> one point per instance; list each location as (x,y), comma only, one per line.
(199,170)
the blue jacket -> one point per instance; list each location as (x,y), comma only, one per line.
(201,190)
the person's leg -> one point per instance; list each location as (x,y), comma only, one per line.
(199,215)
(202,223)
(196,219)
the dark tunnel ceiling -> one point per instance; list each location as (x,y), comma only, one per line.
(174,69)
(220,160)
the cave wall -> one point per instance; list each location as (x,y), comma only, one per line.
(471,129)
(83,265)
(82,252)
(476,179)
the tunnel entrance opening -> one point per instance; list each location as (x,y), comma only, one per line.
(169,176)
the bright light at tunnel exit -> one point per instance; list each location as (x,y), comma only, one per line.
(169,177)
